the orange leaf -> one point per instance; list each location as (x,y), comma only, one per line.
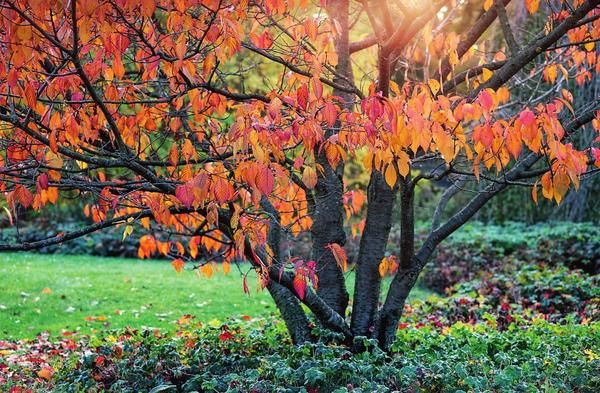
(178,264)
(147,246)
(226,266)
(207,270)
(223,190)
(309,177)
(147,7)
(117,66)
(532,6)
(23,195)
(339,254)
(390,175)
(383,266)
(30,95)
(46,373)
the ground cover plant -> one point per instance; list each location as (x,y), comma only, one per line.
(230,123)
(257,356)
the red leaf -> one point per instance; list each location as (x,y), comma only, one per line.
(487,135)
(300,285)
(246,289)
(185,195)
(302,96)
(527,117)
(226,336)
(43,181)
(265,181)
(263,41)
(486,100)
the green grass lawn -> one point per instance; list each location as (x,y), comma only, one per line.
(58,292)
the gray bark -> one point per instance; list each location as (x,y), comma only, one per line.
(372,248)
(289,306)
(328,218)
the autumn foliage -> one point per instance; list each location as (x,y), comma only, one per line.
(229,122)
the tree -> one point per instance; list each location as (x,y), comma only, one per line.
(228,122)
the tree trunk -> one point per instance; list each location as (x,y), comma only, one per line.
(327,229)
(373,243)
(391,312)
(408,271)
(291,311)
(289,306)
(328,217)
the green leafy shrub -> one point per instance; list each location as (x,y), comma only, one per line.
(478,248)
(258,358)
(553,293)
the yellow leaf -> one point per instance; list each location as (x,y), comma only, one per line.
(390,175)
(214,323)
(550,73)
(434,85)
(488,4)
(309,177)
(487,74)
(128,230)
(185,319)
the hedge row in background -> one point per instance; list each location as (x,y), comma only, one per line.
(478,250)
(476,245)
